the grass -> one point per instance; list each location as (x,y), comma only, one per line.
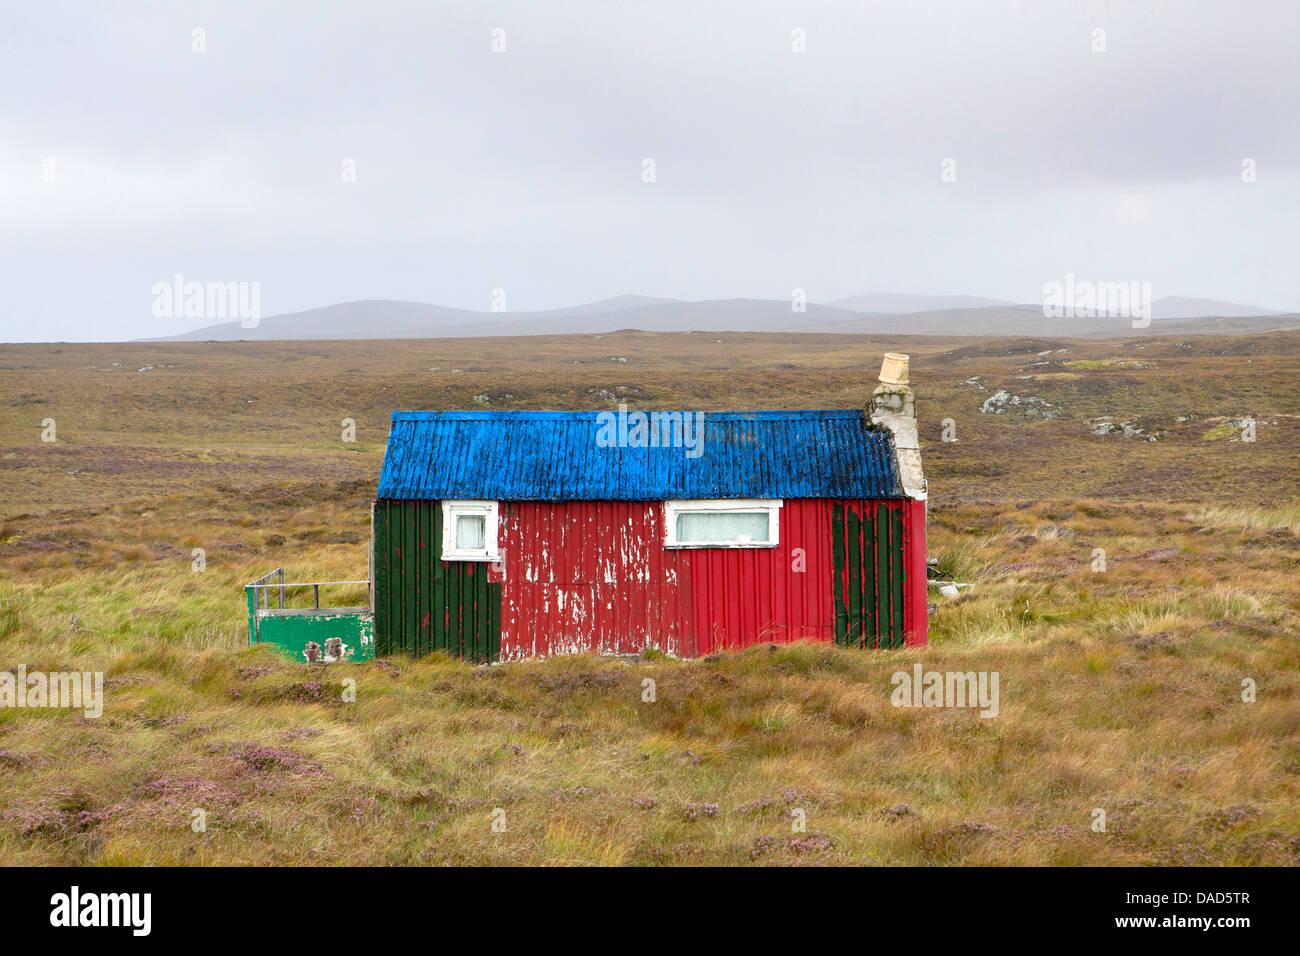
(1130,703)
(1250,519)
(1121,689)
(1096,364)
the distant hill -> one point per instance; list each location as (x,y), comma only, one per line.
(893,303)
(1021,321)
(382,319)
(1179,307)
(389,319)
(1169,307)
(370,318)
(617,304)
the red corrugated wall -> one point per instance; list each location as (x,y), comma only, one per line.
(583,577)
(916,617)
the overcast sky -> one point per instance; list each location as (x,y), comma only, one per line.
(127,157)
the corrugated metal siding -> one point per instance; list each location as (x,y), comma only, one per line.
(425,604)
(553,456)
(594,577)
(868,553)
(915,609)
(745,596)
(587,577)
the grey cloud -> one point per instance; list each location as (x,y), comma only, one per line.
(522,170)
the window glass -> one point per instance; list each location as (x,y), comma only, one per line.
(470,532)
(722,527)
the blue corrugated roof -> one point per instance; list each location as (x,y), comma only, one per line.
(562,456)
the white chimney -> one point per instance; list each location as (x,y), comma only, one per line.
(894,406)
(892,396)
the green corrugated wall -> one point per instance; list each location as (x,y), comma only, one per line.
(422,603)
(867,573)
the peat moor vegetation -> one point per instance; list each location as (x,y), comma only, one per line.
(1125,558)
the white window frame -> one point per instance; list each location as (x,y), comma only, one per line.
(451,510)
(772,506)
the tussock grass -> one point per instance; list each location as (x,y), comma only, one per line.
(958,561)
(1250,519)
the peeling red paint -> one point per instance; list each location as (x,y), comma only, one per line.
(594,577)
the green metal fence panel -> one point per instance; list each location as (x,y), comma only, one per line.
(290,631)
(251,594)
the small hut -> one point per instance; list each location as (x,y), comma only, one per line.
(500,535)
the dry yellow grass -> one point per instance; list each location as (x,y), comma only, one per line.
(1251,519)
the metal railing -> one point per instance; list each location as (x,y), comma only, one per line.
(264,588)
(262,596)
(266,596)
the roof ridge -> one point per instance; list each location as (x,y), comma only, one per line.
(470,414)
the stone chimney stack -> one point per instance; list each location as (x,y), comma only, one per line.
(892,396)
(894,406)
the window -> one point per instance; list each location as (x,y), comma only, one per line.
(469,531)
(722,523)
